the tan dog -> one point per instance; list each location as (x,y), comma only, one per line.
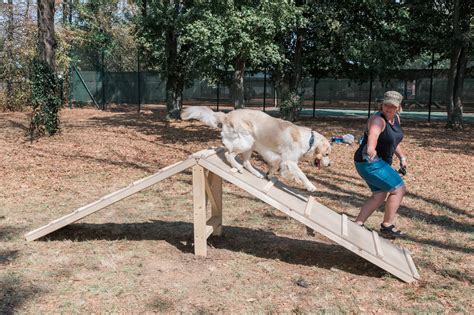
(280,143)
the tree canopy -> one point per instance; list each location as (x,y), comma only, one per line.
(217,41)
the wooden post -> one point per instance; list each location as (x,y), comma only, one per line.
(216,210)
(199,208)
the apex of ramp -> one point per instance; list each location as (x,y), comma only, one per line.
(204,154)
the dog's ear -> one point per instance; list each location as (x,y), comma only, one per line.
(322,145)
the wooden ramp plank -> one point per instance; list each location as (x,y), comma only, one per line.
(110,199)
(321,219)
(344,223)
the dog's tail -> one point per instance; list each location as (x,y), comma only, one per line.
(204,114)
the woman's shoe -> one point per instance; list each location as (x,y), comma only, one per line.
(363,225)
(390,231)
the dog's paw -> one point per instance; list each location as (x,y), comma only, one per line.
(311,188)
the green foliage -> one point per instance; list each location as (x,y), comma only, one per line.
(16,54)
(102,27)
(221,32)
(291,106)
(45,99)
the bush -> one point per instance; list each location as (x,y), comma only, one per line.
(291,106)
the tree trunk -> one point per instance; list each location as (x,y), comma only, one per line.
(46,39)
(9,56)
(237,84)
(455,88)
(45,95)
(459,58)
(174,88)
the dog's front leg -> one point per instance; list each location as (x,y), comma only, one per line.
(298,173)
(247,155)
(231,159)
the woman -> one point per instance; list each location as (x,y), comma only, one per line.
(373,160)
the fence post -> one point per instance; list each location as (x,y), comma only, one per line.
(370,94)
(71,85)
(138,80)
(218,94)
(314,96)
(102,77)
(85,86)
(431,86)
(264,88)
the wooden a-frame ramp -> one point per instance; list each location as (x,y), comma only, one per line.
(210,167)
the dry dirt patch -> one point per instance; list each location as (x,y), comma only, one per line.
(136,255)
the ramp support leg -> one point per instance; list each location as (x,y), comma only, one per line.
(199,209)
(215,193)
(206,186)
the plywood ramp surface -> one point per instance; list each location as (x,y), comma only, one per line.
(320,218)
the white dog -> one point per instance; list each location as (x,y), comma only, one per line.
(280,143)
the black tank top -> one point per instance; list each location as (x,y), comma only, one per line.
(387,142)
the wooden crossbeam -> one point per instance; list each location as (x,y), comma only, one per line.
(270,184)
(309,206)
(344,228)
(377,245)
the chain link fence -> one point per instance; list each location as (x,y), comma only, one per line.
(148,88)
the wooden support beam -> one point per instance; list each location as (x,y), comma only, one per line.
(309,207)
(269,185)
(209,191)
(377,245)
(411,264)
(213,225)
(199,209)
(344,230)
(216,209)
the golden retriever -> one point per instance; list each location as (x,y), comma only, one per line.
(281,144)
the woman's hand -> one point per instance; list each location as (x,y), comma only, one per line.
(371,152)
(403,162)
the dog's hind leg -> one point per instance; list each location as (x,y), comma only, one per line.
(274,166)
(230,156)
(246,156)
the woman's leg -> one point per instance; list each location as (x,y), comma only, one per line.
(370,205)
(393,203)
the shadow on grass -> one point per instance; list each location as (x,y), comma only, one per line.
(19,125)
(14,293)
(9,232)
(7,256)
(257,243)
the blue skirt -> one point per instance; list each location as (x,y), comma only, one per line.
(379,176)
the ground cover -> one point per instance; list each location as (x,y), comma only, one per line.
(137,255)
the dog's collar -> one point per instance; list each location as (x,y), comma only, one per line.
(311,141)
